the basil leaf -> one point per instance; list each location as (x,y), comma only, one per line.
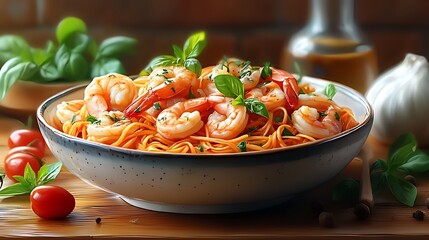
(255,106)
(163,60)
(238,101)
(404,191)
(330,91)
(229,86)
(193,65)
(404,139)
(194,44)
(197,50)
(116,47)
(266,70)
(400,157)
(78,42)
(105,66)
(72,66)
(378,182)
(178,52)
(417,163)
(378,165)
(347,190)
(13,70)
(69,26)
(48,173)
(242,146)
(49,71)
(29,176)
(286,132)
(12,46)
(14,190)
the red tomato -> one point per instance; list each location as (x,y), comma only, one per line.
(26,137)
(15,164)
(51,202)
(26,149)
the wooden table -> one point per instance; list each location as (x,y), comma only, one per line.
(292,220)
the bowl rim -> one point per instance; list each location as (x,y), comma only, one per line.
(350,92)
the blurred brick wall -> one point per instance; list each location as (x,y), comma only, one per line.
(250,29)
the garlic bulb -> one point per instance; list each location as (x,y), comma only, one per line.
(400,99)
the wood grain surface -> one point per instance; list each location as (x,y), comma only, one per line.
(292,220)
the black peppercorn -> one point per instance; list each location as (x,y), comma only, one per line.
(326,219)
(419,215)
(98,220)
(362,211)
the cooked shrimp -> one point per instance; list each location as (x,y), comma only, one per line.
(204,85)
(248,75)
(269,94)
(108,128)
(67,110)
(314,100)
(309,121)
(227,121)
(164,82)
(289,85)
(160,105)
(182,119)
(110,92)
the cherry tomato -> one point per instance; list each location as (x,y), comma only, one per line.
(51,202)
(15,164)
(26,137)
(26,149)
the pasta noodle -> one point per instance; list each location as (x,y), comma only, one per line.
(141,131)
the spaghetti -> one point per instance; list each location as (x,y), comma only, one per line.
(141,129)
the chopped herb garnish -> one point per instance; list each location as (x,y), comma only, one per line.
(322,114)
(266,70)
(93,120)
(286,132)
(278,118)
(138,109)
(200,148)
(168,81)
(156,106)
(337,116)
(73,119)
(242,146)
(162,119)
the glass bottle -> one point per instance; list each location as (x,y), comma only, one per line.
(331,47)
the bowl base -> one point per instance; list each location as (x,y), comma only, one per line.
(204,209)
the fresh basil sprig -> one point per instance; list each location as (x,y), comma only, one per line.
(186,57)
(30,180)
(75,57)
(231,86)
(404,158)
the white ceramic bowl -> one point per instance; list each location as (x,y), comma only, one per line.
(208,183)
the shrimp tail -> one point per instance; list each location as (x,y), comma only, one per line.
(141,103)
(291,90)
